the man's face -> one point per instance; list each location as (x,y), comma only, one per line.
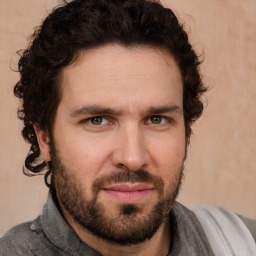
(119,141)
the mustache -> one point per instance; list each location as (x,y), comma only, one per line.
(125,175)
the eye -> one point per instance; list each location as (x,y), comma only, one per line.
(97,120)
(156,120)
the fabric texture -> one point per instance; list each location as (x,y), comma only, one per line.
(50,234)
(226,232)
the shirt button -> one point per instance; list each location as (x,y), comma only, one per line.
(33,227)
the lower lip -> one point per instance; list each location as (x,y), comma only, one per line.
(129,197)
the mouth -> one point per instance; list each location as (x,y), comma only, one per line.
(129,193)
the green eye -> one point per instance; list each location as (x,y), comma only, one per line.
(156,119)
(96,120)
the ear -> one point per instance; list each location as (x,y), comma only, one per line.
(43,142)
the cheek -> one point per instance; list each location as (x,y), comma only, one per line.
(83,153)
(169,148)
(168,155)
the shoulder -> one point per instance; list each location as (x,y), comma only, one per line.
(27,239)
(226,217)
(224,229)
(14,242)
(6,247)
(250,224)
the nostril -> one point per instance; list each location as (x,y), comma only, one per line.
(122,166)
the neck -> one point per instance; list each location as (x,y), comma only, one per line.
(158,245)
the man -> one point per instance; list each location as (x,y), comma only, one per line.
(109,92)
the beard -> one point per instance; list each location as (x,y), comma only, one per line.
(131,225)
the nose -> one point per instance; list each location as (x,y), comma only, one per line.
(130,150)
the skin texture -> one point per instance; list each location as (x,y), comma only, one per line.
(136,95)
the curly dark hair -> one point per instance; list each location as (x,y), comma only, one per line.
(81,24)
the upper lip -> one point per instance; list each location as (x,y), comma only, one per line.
(129,187)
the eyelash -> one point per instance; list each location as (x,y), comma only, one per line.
(89,120)
(148,120)
(162,121)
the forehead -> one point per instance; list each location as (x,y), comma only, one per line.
(115,74)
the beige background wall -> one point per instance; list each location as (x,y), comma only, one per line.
(221,167)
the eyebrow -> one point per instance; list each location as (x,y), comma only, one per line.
(93,110)
(165,109)
(101,110)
